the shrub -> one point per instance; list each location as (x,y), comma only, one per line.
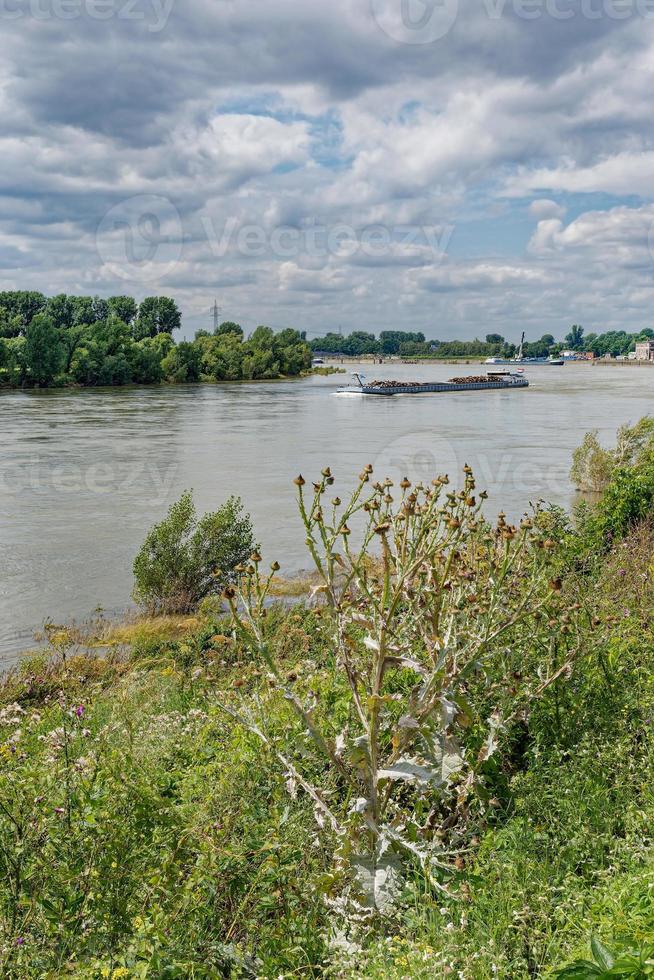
(183,560)
(443,635)
(593,467)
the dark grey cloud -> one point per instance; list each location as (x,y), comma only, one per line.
(274,116)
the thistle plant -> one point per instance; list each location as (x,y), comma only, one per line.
(443,630)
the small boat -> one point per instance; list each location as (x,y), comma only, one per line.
(492,381)
(529,361)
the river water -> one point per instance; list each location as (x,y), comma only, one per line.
(83,474)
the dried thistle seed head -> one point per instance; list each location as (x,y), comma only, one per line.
(377,486)
(229,592)
(345,530)
(383,528)
(483,495)
(275,566)
(326,472)
(364,477)
(556,585)
(299,481)
(255,557)
(549,544)
(388,499)
(317,514)
(336,502)
(239,568)
(405,483)
(453,523)
(368,468)
(388,482)
(467,469)
(317,487)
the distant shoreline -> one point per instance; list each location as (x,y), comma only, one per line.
(367,359)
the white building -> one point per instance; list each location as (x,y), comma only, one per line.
(645,350)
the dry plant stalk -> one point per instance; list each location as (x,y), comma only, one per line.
(424,638)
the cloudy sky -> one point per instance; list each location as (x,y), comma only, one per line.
(456,167)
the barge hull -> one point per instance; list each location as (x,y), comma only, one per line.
(444,386)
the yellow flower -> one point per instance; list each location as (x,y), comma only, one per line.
(119,972)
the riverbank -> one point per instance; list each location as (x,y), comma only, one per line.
(146,828)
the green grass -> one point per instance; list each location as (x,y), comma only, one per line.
(143,834)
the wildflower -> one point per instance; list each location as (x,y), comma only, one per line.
(79,710)
(19,941)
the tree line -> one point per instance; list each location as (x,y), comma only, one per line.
(91,341)
(402,343)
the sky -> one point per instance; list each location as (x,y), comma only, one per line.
(459,167)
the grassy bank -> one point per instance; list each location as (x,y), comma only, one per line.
(145,833)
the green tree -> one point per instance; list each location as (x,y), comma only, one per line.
(392,340)
(43,350)
(229,327)
(61,309)
(157,314)
(23,304)
(124,307)
(183,560)
(183,363)
(574,339)
(262,337)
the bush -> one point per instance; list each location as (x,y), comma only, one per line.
(444,632)
(183,560)
(593,467)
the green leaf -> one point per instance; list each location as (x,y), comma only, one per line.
(579,970)
(603,956)
(378,879)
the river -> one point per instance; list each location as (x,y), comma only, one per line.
(84,473)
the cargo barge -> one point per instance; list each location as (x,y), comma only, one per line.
(493,381)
